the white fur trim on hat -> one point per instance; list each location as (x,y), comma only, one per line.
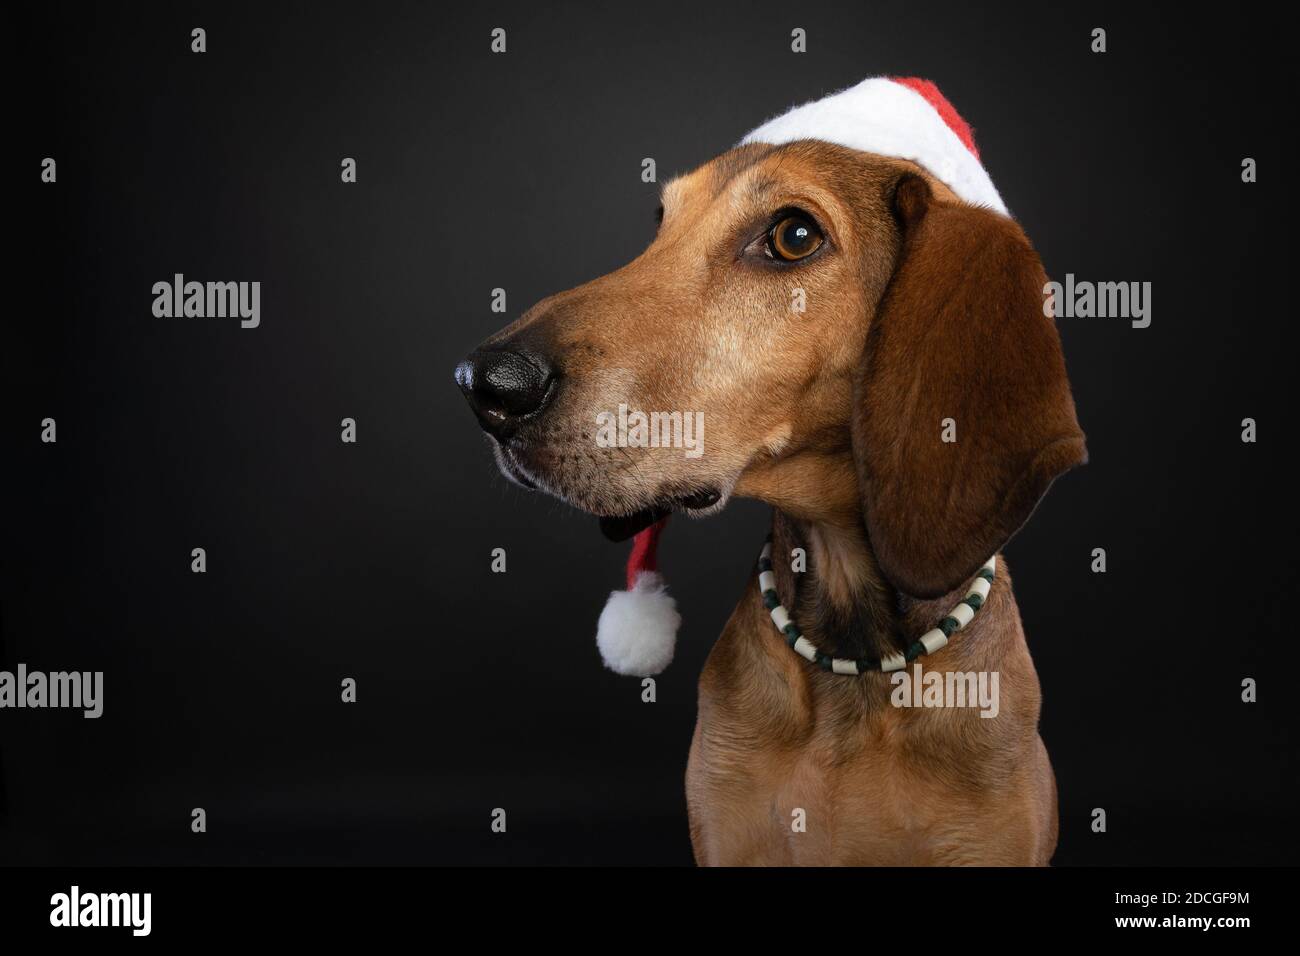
(637,631)
(882,116)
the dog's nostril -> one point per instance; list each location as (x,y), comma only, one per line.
(516,382)
(504,386)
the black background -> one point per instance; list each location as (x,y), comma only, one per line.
(479,690)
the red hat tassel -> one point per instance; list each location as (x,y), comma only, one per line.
(637,631)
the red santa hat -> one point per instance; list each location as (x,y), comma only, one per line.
(903,117)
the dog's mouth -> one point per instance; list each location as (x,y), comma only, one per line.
(615,527)
(622,527)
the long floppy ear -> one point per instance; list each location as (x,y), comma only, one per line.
(960,335)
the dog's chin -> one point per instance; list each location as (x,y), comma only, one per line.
(622,520)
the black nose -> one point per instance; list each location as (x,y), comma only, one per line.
(504,387)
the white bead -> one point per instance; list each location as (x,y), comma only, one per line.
(893,662)
(840,666)
(981,587)
(806,648)
(767,581)
(933,640)
(780,617)
(963,613)
(992,564)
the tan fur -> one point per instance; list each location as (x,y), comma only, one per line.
(880,785)
(807,413)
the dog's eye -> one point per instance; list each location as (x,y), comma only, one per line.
(793,238)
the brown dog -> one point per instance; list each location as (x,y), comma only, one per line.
(924,321)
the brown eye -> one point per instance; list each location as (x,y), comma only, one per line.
(794,238)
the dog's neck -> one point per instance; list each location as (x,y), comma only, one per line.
(840,600)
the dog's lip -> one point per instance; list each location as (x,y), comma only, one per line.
(700,500)
(512,469)
(622,527)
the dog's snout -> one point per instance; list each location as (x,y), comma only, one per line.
(505,386)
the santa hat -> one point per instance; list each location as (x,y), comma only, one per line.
(903,117)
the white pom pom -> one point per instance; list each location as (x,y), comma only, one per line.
(637,630)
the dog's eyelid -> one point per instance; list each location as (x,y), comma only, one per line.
(785,212)
(759,245)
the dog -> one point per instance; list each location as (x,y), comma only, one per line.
(903,427)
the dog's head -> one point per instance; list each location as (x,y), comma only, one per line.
(828,330)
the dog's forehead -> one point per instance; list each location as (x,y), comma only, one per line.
(756,170)
(727,172)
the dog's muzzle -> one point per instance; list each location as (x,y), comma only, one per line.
(506,387)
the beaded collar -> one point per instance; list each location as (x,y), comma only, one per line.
(927,643)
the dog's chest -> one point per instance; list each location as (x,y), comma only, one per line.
(875,805)
(866,794)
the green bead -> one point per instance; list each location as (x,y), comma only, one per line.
(770,600)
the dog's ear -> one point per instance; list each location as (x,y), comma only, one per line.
(962,413)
